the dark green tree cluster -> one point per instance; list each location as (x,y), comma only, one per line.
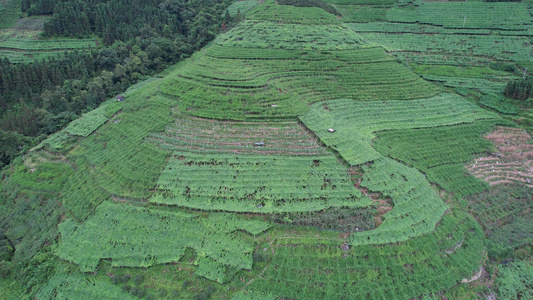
(139,38)
(520,89)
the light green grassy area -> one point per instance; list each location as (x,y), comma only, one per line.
(304,267)
(286,14)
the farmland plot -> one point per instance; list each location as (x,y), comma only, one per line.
(231,82)
(21,43)
(310,268)
(355,122)
(208,136)
(511,162)
(143,237)
(440,152)
(260,184)
(472,14)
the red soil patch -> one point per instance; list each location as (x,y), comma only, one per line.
(512,163)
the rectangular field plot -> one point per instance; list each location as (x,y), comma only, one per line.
(440,152)
(256,183)
(500,47)
(208,136)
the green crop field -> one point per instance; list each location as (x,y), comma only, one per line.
(257,183)
(307,268)
(356,121)
(335,149)
(256,84)
(285,14)
(207,136)
(440,152)
(151,242)
(21,42)
(472,14)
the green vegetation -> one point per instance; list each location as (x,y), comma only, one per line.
(472,14)
(314,268)
(21,43)
(9,13)
(261,184)
(440,152)
(287,14)
(500,47)
(255,84)
(63,286)
(92,120)
(207,136)
(515,280)
(505,213)
(355,122)
(500,105)
(293,157)
(242,6)
(144,237)
(417,208)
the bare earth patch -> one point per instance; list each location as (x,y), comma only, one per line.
(513,161)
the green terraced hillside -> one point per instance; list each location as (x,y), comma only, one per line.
(303,154)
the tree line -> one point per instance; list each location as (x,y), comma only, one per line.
(138,38)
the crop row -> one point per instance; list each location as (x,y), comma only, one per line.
(248,89)
(417,208)
(492,46)
(201,136)
(287,14)
(440,152)
(264,34)
(323,269)
(256,183)
(473,14)
(143,237)
(355,122)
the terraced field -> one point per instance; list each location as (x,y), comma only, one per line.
(22,43)
(295,158)
(512,161)
(240,79)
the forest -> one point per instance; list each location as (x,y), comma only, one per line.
(138,39)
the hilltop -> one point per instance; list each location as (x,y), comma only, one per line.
(328,149)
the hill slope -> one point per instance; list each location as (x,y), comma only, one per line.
(220,178)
